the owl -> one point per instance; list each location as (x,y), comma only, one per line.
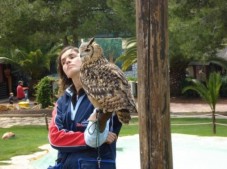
(105,83)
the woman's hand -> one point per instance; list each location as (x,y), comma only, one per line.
(111,138)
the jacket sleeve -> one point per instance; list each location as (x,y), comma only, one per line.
(62,139)
(91,134)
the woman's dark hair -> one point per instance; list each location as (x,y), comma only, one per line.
(64,81)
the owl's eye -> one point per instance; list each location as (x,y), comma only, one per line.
(87,50)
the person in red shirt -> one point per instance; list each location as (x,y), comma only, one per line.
(20,91)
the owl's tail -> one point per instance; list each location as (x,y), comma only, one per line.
(124,116)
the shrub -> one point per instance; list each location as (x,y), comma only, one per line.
(44,93)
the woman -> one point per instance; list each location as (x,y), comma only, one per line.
(71,130)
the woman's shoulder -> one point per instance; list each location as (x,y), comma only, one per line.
(65,97)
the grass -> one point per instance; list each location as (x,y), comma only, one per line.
(130,129)
(29,138)
(200,130)
(184,126)
(26,141)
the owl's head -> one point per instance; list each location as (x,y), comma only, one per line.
(90,51)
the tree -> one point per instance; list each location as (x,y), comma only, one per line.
(125,12)
(208,92)
(197,29)
(40,25)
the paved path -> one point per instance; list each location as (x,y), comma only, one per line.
(177,107)
(7,122)
(195,105)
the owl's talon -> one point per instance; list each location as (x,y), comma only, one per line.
(99,111)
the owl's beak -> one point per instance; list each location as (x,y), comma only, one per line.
(80,55)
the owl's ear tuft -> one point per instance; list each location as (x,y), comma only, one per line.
(91,41)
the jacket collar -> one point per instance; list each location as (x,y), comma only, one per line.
(72,91)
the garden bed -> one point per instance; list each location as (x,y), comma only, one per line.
(11,111)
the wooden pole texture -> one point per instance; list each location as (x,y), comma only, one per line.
(153,84)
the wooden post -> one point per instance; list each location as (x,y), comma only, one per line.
(153,84)
(46,120)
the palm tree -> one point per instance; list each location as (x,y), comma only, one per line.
(130,55)
(33,63)
(208,92)
(178,65)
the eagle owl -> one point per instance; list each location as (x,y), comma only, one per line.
(105,83)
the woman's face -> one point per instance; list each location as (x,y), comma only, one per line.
(71,62)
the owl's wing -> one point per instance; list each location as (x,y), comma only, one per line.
(116,73)
(107,85)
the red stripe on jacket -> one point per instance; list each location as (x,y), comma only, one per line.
(62,138)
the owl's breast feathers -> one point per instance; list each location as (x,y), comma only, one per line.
(106,85)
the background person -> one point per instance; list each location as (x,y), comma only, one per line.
(20,91)
(11,98)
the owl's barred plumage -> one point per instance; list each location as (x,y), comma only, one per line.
(105,83)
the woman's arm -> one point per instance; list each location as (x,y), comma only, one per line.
(61,138)
(105,135)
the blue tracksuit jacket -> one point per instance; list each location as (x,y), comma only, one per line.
(67,136)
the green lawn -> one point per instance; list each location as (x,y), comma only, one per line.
(29,138)
(184,126)
(26,141)
(200,129)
